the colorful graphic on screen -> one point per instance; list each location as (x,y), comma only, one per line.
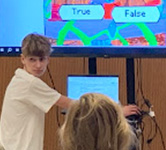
(105,22)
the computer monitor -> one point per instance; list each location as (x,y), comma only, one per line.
(78,85)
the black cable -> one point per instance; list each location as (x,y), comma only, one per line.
(137,91)
(53,86)
(149,147)
(157,128)
(160,132)
(149,135)
(142,127)
(137,75)
(84,65)
(147,102)
(51,79)
(139,82)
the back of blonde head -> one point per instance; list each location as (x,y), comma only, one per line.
(95,122)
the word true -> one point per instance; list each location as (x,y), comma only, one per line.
(81,11)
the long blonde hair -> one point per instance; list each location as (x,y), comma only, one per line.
(95,122)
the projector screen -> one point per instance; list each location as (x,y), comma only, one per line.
(77,85)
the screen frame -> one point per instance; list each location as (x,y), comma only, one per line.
(106,52)
(127,52)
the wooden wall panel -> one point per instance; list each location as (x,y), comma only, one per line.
(7,68)
(114,66)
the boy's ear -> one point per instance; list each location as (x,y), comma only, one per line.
(22,59)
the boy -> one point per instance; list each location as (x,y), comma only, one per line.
(28,98)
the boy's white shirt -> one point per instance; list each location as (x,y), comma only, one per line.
(26,101)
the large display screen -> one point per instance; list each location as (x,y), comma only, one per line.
(109,26)
(129,28)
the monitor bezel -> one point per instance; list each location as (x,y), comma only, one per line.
(106,52)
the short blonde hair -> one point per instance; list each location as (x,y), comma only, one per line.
(95,122)
(36,45)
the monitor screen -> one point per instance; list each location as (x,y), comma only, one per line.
(77,85)
(127,28)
